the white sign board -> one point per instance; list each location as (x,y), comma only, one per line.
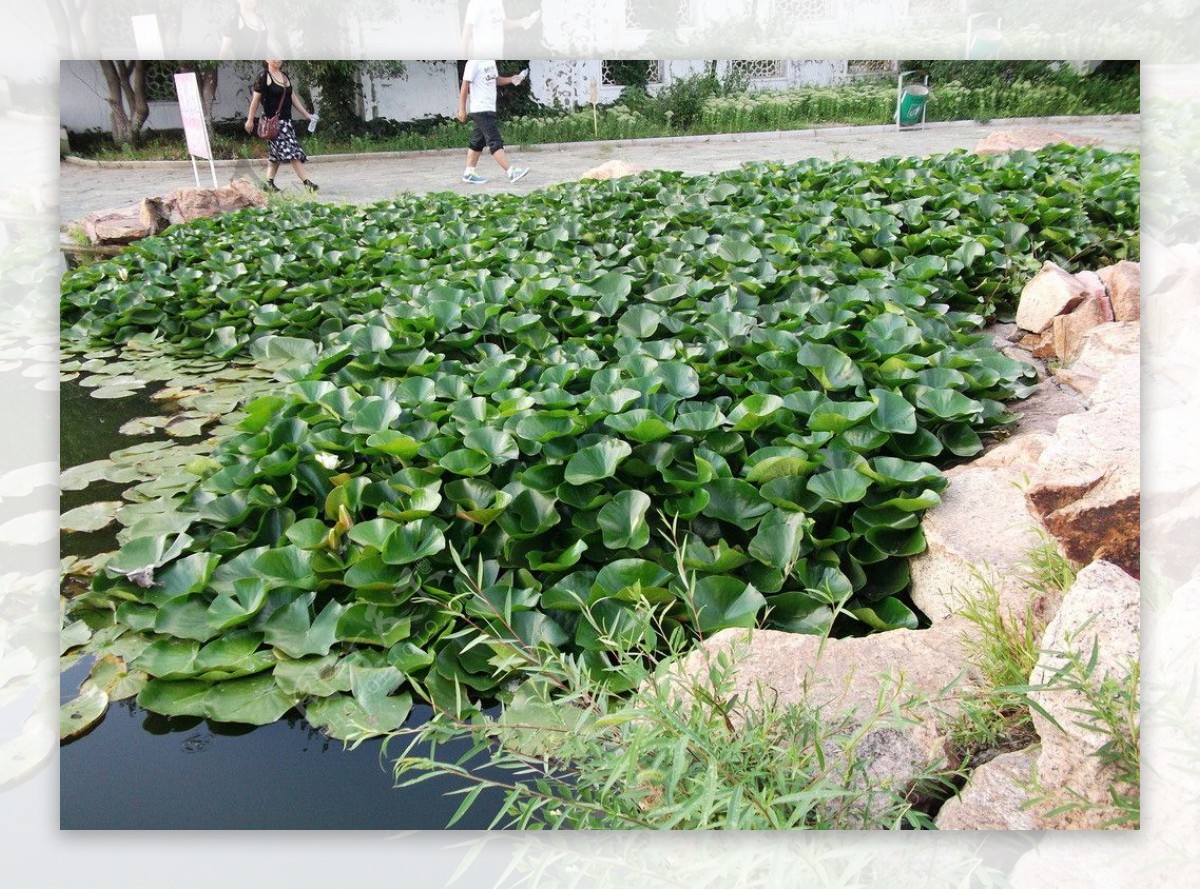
(195,129)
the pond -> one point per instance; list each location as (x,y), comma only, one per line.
(137,770)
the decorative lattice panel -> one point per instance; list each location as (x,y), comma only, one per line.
(614,72)
(759,69)
(638,17)
(805,10)
(160,82)
(872,66)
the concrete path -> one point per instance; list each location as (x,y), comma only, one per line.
(362,179)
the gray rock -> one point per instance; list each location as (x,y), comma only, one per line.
(1041,412)
(995,797)
(848,678)
(1101,609)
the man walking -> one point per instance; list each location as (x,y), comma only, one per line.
(480,79)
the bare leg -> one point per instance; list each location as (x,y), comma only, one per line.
(501,158)
(473,157)
(272,169)
(298,167)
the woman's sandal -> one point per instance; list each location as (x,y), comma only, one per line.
(310,185)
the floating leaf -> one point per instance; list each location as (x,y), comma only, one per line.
(78,716)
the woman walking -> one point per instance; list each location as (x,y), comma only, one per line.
(274,96)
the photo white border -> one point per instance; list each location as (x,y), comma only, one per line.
(37,854)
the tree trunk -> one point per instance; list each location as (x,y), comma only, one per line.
(120,126)
(208,89)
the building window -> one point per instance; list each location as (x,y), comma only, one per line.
(631,72)
(160,81)
(759,69)
(640,18)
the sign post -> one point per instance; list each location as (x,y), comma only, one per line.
(195,128)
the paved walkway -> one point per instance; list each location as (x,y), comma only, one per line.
(361,179)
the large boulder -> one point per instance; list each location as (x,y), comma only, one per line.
(1099,614)
(124,225)
(995,797)
(1028,138)
(979,535)
(612,170)
(187,204)
(1051,292)
(1124,284)
(118,225)
(1086,488)
(849,678)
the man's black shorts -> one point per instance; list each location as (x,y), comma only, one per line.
(487,132)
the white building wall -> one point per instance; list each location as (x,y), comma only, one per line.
(426,89)
(83,97)
(564,83)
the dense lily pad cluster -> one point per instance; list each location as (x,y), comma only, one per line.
(720,397)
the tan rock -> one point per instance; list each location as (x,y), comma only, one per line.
(612,170)
(1103,346)
(979,534)
(848,678)
(1099,350)
(1081,379)
(120,230)
(1095,287)
(1022,450)
(1086,487)
(1070,328)
(994,798)
(1028,138)
(1101,609)
(1124,284)
(1039,345)
(187,204)
(1053,291)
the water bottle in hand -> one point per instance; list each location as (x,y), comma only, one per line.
(312,122)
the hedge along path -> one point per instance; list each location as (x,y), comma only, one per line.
(756,373)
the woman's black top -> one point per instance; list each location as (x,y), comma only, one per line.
(271,94)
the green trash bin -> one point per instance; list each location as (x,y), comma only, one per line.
(912,105)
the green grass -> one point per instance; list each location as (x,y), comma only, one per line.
(996,714)
(685,752)
(680,110)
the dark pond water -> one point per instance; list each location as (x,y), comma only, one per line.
(137,770)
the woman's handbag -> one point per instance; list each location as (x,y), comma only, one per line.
(268,127)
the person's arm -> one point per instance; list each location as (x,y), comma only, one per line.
(464,43)
(463,92)
(226,49)
(298,104)
(255,101)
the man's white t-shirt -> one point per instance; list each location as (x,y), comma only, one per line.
(481,74)
(486,18)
